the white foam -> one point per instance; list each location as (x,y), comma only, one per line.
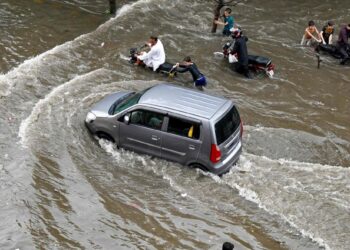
(125,9)
(252,196)
(29,65)
(309,235)
(128,158)
(109,148)
(124,57)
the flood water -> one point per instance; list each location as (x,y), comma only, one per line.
(60,188)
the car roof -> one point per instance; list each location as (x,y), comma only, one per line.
(183,100)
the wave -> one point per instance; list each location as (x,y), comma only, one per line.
(8,80)
(292,182)
(43,103)
(284,177)
(29,65)
(250,166)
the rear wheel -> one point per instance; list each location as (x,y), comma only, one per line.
(105,136)
(199,166)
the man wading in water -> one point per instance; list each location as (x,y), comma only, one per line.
(187,65)
(228,22)
(309,35)
(343,44)
(327,33)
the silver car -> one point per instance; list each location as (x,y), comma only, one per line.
(175,123)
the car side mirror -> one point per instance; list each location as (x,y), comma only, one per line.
(127,119)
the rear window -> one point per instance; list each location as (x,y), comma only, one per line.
(227,125)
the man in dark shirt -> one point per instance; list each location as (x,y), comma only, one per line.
(327,33)
(240,48)
(343,43)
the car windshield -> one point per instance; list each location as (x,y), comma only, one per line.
(227,125)
(128,102)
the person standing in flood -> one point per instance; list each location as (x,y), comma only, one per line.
(343,44)
(327,33)
(311,34)
(228,22)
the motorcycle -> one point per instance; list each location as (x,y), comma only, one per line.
(166,68)
(331,50)
(258,64)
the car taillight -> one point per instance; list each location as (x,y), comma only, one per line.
(271,67)
(215,154)
(241,128)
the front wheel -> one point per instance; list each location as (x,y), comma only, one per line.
(105,136)
(270,73)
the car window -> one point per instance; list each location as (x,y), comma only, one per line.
(227,125)
(129,101)
(147,118)
(183,128)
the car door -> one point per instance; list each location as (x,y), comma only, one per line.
(142,133)
(181,141)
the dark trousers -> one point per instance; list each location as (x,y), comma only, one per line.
(326,39)
(226,32)
(242,69)
(344,52)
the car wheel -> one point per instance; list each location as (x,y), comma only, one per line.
(105,136)
(199,166)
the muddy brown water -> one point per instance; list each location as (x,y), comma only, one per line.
(60,188)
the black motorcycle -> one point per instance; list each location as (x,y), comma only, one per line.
(255,63)
(331,50)
(166,68)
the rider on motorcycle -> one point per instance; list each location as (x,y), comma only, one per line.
(155,57)
(239,47)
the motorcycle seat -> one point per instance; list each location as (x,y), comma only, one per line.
(165,67)
(264,61)
(328,48)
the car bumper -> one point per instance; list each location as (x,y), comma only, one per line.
(225,165)
(90,127)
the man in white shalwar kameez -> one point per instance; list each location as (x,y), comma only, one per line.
(156,56)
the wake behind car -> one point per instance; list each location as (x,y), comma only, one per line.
(171,122)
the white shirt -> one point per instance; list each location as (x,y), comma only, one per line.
(155,57)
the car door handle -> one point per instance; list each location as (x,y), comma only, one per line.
(155,138)
(192,147)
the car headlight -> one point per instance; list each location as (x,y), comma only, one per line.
(90,117)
